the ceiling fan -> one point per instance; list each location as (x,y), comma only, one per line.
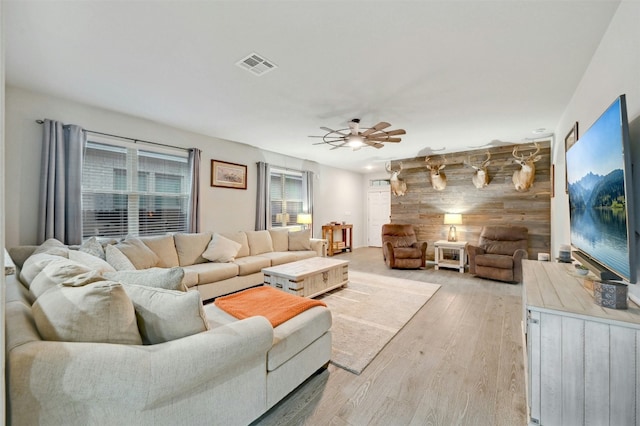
(355,137)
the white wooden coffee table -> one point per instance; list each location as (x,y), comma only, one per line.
(308,277)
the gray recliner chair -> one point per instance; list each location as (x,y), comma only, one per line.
(499,253)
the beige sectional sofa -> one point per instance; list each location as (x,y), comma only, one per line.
(258,249)
(203,366)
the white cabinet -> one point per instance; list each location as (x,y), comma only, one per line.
(583,360)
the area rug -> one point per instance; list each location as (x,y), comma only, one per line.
(368,313)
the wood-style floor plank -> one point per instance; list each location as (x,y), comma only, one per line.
(458,361)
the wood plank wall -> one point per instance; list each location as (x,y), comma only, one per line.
(497,204)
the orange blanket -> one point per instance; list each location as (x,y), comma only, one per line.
(277,306)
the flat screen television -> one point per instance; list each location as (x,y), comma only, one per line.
(601,198)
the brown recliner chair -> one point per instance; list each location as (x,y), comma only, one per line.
(499,253)
(400,247)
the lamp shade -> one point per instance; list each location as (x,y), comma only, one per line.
(304,218)
(452,219)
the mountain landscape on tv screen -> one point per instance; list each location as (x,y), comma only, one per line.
(597,191)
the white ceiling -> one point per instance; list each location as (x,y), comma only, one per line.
(456,75)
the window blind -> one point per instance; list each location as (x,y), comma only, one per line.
(128,191)
(287,190)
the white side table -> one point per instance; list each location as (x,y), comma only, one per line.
(441,262)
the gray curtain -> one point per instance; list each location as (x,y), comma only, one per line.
(60,209)
(194,208)
(308,201)
(263,197)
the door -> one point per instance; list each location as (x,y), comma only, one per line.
(379,212)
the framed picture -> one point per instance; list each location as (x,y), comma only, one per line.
(228,175)
(569,140)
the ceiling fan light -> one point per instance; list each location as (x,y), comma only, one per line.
(355,141)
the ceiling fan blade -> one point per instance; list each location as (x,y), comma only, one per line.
(381,125)
(338,146)
(383,139)
(396,132)
(383,134)
(373,144)
(326,129)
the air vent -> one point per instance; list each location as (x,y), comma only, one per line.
(256,64)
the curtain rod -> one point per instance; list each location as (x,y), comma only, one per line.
(126,138)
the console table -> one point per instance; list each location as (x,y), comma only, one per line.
(328,232)
(582,361)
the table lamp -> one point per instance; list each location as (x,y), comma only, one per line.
(304,219)
(452,219)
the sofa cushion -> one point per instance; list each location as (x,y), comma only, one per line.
(191,246)
(169,279)
(34,265)
(117,259)
(506,248)
(55,273)
(221,249)
(280,257)
(165,315)
(91,261)
(141,256)
(303,254)
(93,247)
(280,239)
(294,335)
(190,278)
(495,261)
(259,242)
(251,264)
(290,337)
(241,238)
(300,240)
(213,271)
(97,312)
(52,246)
(164,247)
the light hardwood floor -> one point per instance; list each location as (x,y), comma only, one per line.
(458,361)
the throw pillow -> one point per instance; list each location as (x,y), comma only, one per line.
(93,247)
(300,240)
(191,246)
(241,238)
(55,273)
(138,253)
(221,249)
(52,246)
(165,248)
(259,242)
(280,239)
(165,315)
(117,259)
(169,279)
(97,312)
(91,261)
(34,265)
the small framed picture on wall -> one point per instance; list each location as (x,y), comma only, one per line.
(228,175)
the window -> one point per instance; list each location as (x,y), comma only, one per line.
(288,191)
(130,191)
(379,182)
